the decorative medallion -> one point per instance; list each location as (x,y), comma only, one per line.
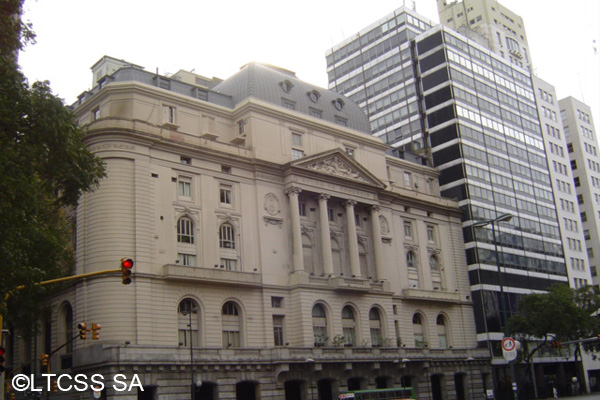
(272,204)
(384,226)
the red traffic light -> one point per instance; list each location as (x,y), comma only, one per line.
(2,359)
(126,267)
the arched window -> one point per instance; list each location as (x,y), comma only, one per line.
(188,323)
(418,330)
(185,230)
(375,327)
(319,321)
(442,332)
(349,326)
(226,237)
(66,326)
(232,324)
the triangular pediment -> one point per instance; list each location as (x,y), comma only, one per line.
(337,163)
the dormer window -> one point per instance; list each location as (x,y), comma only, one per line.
(314,96)
(338,104)
(286,86)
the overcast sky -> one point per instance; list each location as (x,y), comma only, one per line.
(216,38)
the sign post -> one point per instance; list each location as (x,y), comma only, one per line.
(509,349)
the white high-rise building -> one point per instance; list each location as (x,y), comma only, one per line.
(561,174)
(503,31)
(584,154)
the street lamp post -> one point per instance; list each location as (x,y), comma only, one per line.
(192,383)
(503,320)
(469,360)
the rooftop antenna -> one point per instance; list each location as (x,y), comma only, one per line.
(580,87)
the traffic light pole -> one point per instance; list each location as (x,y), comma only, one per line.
(48,282)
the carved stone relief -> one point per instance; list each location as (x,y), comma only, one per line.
(335,166)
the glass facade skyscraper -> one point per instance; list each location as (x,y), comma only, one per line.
(432,91)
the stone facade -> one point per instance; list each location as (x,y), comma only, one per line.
(307,260)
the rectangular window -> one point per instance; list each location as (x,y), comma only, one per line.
(297,154)
(430,234)
(231,338)
(95,113)
(408,230)
(184,187)
(168,115)
(188,260)
(296,139)
(302,208)
(407,179)
(225,194)
(229,264)
(341,121)
(331,214)
(276,302)
(315,113)
(278,330)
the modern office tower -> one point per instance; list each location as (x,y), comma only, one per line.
(375,70)
(478,116)
(491,24)
(561,173)
(279,252)
(582,145)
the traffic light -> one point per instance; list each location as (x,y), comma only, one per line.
(95,329)
(54,387)
(45,359)
(557,344)
(82,326)
(2,359)
(598,336)
(12,396)
(126,267)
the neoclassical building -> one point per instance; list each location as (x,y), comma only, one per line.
(279,252)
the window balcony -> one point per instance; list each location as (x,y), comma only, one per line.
(213,274)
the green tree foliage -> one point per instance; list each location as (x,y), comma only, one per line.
(561,314)
(44,169)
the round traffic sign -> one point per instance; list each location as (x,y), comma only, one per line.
(508,344)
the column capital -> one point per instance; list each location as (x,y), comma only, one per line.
(350,203)
(324,196)
(293,190)
(375,209)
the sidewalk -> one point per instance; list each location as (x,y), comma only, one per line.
(590,396)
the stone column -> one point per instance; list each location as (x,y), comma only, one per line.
(377,248)
(297,256)
(325,237)
(352,240)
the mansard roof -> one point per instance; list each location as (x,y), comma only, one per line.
(281,87)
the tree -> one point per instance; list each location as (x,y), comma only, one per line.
(561,314)
(44,168)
